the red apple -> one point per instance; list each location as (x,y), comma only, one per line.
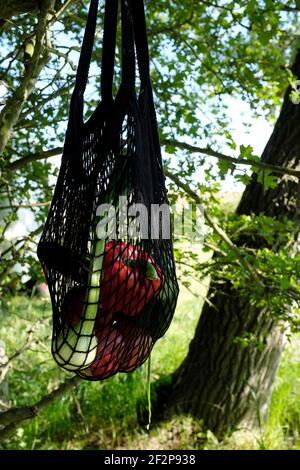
(130,279)
(138,345)
(109,353)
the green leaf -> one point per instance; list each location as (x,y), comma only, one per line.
(284,283)
(268,181)
(246,152)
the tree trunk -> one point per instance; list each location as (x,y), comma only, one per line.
(220,381)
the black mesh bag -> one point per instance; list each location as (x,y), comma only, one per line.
(106,247)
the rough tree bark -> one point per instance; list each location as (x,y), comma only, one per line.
(221,382)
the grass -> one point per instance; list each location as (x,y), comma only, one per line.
(95,415)
(105,415)
(283,429)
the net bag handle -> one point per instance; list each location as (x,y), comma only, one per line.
(108,56)
(72,148)
(133,19)
(128,53)
(75,124)
(126,90)
(141,41)
(109,50)
(76,106)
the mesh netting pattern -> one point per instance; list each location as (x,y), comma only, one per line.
(112,297)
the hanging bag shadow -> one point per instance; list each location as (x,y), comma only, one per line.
(106,248)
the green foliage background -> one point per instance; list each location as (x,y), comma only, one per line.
(202,54)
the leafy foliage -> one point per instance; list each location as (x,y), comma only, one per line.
(203,54)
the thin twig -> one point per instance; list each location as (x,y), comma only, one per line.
(233,160)
(167,142)
(15,417)
(26,206)
(17,164)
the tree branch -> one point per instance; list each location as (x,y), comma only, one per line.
(236,161)
(165,142)
(26,206)
(10,113)
(16,251)
(61,10)
(29,341)
(17,164)
(229,10)
(15,417)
